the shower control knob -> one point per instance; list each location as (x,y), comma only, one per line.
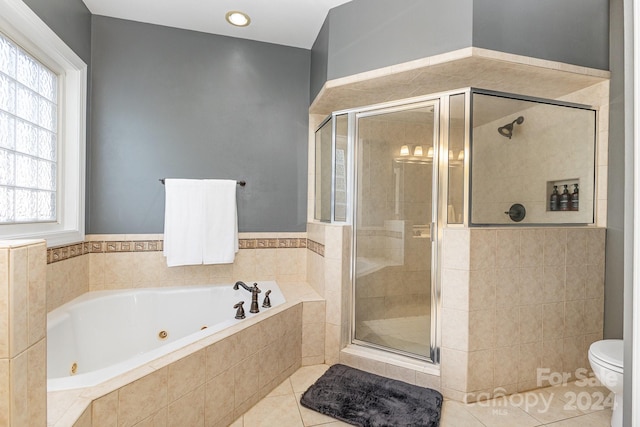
(516,212)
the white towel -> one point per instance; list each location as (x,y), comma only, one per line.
(200,224)
(221,222)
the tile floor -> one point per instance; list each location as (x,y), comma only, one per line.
(568,406)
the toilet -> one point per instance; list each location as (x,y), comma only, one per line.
(606,358)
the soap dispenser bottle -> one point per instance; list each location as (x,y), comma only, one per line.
(554,200)
(565,199)
(575,198)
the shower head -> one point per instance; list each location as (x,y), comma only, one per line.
(507,130)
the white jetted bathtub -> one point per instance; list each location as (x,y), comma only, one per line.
(103,334)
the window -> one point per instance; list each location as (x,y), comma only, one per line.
(28,137)
(42,130)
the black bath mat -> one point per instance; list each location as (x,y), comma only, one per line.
(367,400)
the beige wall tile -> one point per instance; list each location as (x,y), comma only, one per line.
(507,287)
(455,329)
(531,285)
(551,358)
(96,271)
(456,249)
(576,246)
(219,399)
(5,391)
(221,356)
(18,301)
(574,318)
(313,339)
(594,283)
(505,365)
(142,398)
(37,293)
(245,379)
(270,365)
(575,282)
(105,410)
(507,248)
(530,323)
(244,266)
(84,420)
(37,383)
(554,283)
(482,289)
(159,419)
(454,369)
(593,315)
(531,248)
(185,375)
(555,246)
(19,390)
(481,366)
(596,246)
(188,411)
(332,344)
(574,353)
(482,328)
(507,326)
(4,303)
(482,252)
(529,361)
(313,311)
(553,321)
(455,289)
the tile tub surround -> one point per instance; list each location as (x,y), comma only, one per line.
(516,300)
(23,388)
(134,261)
(211,382)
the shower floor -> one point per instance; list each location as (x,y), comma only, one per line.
(409,334)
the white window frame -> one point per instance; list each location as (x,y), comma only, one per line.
(25,28)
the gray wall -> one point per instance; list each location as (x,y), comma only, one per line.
(319,60)
(615,262)
(367,34)
(182,104)
(70,20)
(571,31)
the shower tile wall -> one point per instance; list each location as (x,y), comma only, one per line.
(516,300)
(23,387)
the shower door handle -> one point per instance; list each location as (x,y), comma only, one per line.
(432,227)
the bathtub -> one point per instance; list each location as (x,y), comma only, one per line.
(103,334)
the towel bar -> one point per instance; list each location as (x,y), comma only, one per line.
(240,183)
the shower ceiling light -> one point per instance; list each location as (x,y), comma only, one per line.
(238,19)
(430,153)
(461,155)
(418,150)
(404,150)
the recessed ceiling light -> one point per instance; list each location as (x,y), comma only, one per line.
(239,19)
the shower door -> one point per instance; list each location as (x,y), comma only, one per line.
(395,228)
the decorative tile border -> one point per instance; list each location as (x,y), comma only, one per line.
(315,247)
(62,253)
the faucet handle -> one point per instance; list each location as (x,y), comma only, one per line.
(255,288)
(240,312)
(267,301)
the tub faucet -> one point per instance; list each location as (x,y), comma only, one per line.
(254,294)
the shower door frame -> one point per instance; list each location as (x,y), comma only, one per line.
(439,102)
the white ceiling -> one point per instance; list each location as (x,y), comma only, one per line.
(286,22)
